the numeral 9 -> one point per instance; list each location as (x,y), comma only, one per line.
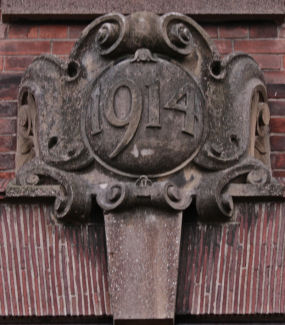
(131,120)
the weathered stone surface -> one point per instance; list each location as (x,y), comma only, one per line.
(13,9)
(143,253)
(143,118)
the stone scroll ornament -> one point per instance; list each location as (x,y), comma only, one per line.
(144,119)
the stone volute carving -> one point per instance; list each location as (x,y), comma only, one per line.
(146,118)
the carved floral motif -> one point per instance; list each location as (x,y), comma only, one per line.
(144,99)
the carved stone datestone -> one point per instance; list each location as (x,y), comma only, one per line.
(143,118)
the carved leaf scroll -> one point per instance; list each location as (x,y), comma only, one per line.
(144,120)
(146,97)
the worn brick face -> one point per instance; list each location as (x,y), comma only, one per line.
(268,61)
(7,143)
(263,30)
(75,30)
(3,30)
(7,161)
(53,31)
(276,91)
(17,63)
(282,31)
(260,46)
(7,126)
(277,125)
(13,47)
(278,160)
(20,31)
(273,77)
(224,46)
(8,108)
(211,29)
(62,47)
(9,84)
(233,30)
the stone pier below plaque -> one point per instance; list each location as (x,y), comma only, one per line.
(143,253)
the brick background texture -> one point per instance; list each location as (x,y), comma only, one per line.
(49,269)
(20,43)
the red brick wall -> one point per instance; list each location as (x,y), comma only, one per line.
(229,270)
(20,43)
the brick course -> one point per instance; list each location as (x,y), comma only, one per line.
(226,270)
(20,31)
(265,41)
(53,31)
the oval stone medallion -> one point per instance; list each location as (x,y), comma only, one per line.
(145,116)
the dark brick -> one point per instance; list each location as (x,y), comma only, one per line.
(211,29)
(8,126)
(9,84)
(263,30)
(7,175)
(260,46)
(22,31)
(13,47)
(63,47)
(276,90)
(277,142)
(8,109)
(268,61)
(277,125)
(53,31)
(3,30)
(275,77)
(224,46)
(233,30)
(278,161)
(282,32)
(279,173)
(75,30)
(277,107)
(17,63)
(7,143)
(7,161)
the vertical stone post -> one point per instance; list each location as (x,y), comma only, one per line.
(143,254)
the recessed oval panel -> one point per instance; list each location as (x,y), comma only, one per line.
(144,118)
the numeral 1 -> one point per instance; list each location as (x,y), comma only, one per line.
(95,112)
(153,104)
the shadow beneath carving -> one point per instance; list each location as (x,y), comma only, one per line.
(190,215)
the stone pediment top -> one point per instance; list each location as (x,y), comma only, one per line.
(88,9)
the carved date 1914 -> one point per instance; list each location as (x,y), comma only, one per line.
(140,101)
